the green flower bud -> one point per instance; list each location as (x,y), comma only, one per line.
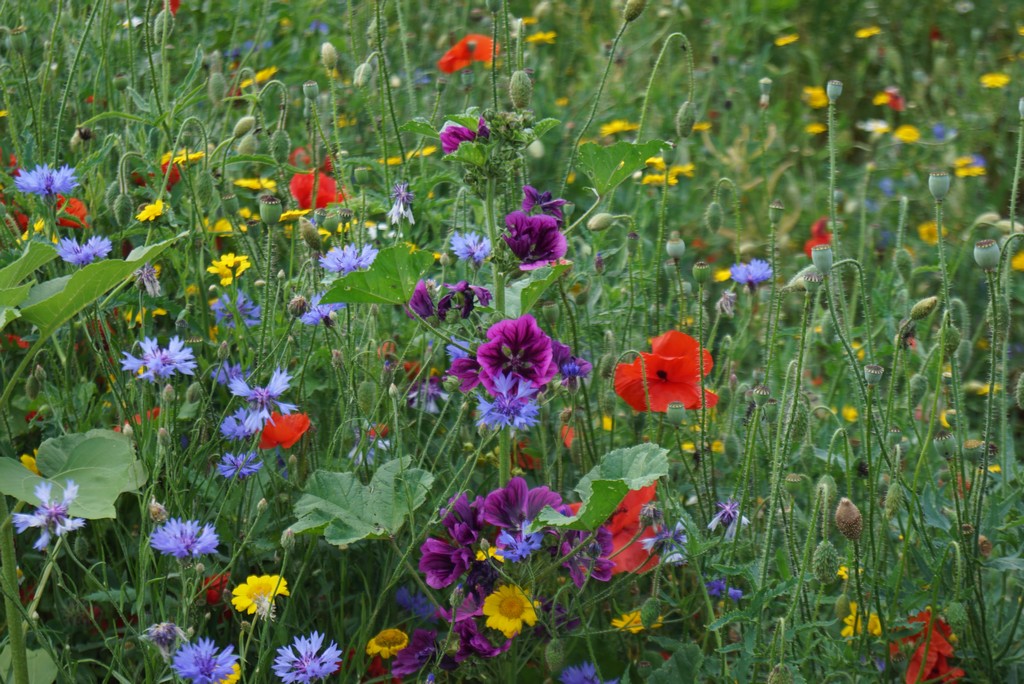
(194,393)
(903,262)
(924,308)
(366,396)
(328,56)
(31,388)
(849,520)
(520,89)
(123,210)
(633,9)
(842,606)
(164,22)
(713,216)
(650,612)
(1019,391)
(894,500)
(938,185)
(206,191)
(918,388)
(216,88)
(270,209)
(554,655)
(986,254)
(121,82)
(551,312)
(952,340)
(248,145)
(362,75)
(780,674)
(956,616)
(686,117)
(280,146)
(243,126)
(310,235)
(600,222)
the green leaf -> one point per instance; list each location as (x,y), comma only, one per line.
(390,280)
(523,294)
(53,303)
(345,510)
(470,153)
(684,666)
(604,487)
(12,296)
(609,166)
(8,314)
(36,254)
(420,127)
(41,668)
(101,462)
(544,125)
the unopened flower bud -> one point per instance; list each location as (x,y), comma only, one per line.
(167,396)
(223,351)
(713,216)
(121,82)
(650,612)
(686,117)
(849,520)
(194,393)
(551,313)
(599,222)
(833,89)
(288,539)
(157,512)
(780,674)
(280,145)
(310,235)
(243,126)
(554,655)
(328,56)
(163,438)
(633,9)
(938,185)
(31,388)
(986,254)
(248,145)
(825,562)
(366,396)
(262,505)
(893,500)
(298,306)
(362,74)
(520,89)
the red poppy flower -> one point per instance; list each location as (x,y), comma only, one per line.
(929,662)
(172,178)
(15,341)
(672,374)
(896,101)
(624,523)
(473,48)
(137,419)
(820,235)
(283,431)
(175,4)
(75,212)
(327,191)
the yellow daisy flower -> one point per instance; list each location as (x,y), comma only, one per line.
(630,622)
(256,594)
(545,37)
(182,157)
(815,97)
(853,626)
(30,462)
(907,133)
(387,643)
(815,128)
(235,676)
(867,32)
(850,414)
(969,166)
(880,99)
(787,39)
(294,214)
(508,609)
(607,423)
(994,80)
(929,232)
(843,573)
(256,183)
(223,267)
(618,126)
(702,126)
(262,76)
(1017,262)
(656,163)
(151,211)
(721,275)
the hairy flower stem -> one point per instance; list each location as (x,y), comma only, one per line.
(989,401)
(386,83)
(833,224)
(9,581)
(700,388)
(735,211)
(654,73)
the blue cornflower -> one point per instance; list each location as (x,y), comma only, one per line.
(226,372)
(240,465)
(519,547)
(752,274)
(415,603)
(160,363)
(235,428)
(263,399)
(584,673)
(471,247)
(244,308)
(715,587)
(513,404)
(317,26)
(349,258)
(728,515)
(301,662)
(457,349)
(402,207)
(92,249)
(735,594)
(669,544)
(51,517)
(182,539)
(200,662)
(320,313)
(887,186)
(47,182)
(165,636)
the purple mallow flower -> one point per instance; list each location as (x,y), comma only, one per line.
(51,517)
(470,247)
(513,405)
(517,348)
(421,303)
(160,363)
(92,249)
(532,198)
(467,294)
(444,561)
(47,182)
(535,240)
(182,539)
(584,673)
(473,643)
(303,662)
(345,260)
(243,309)
(240,465)
(320,313)
(421,650)
(594,559)
(670,544)
(515,503)
(453,135)
(200,663)
(571,368)
(467,370)
(263,399)
(402,207)
(752,274)
(729,516)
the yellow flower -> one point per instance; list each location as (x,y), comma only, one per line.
(1017,262)
(3,113)
(151,211)
(182,157)
(907,133)
(787,39)
(345,120)
(881,98)
(680,170)
(815,97)
(983,390)
(294,214)
(850,414)
(387,643)
(618,126)
(655,179)
(606,421)
(262,76)
(656,163)
(245,212)
(562,102)
(191,290)
(867,32)
(508,609)
(969,166)
(853,626)
(130,315)
(235,676)
(843,573)
(256,594)
(630,622)
(223,267)
(30,462)
(994,80)
(530,21)
(929,232)
(702,126)
(492,552)
(815,128)
(722,274)
(256,183)
(546,37)
(994,468)
(222,226)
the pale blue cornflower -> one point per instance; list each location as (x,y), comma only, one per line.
(728,515)
(51,517)
(47,182)
(402,207)
(92,249)
(182,539)
(158,364)
(345,260)
(239,466)
(470,247)
(302,661)
(513,404)
(200,662)
(263,399)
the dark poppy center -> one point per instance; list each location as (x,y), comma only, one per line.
(662,375)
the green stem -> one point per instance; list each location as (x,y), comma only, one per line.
(9,579)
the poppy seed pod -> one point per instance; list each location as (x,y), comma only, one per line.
(765,84)
(938,185)
(945,444)
(701,272)
(675,412)
(760,394)
(775,209)
(675,247)
(121,82)
(873,373)
(311,90)
(270,209)
(813,280)
(849,520)
(833,89)
(821,255)
(986,254)
(924,308)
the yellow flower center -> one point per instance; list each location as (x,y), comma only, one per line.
(389,638)
(511,607)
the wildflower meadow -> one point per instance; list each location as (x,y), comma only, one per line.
(511,341)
